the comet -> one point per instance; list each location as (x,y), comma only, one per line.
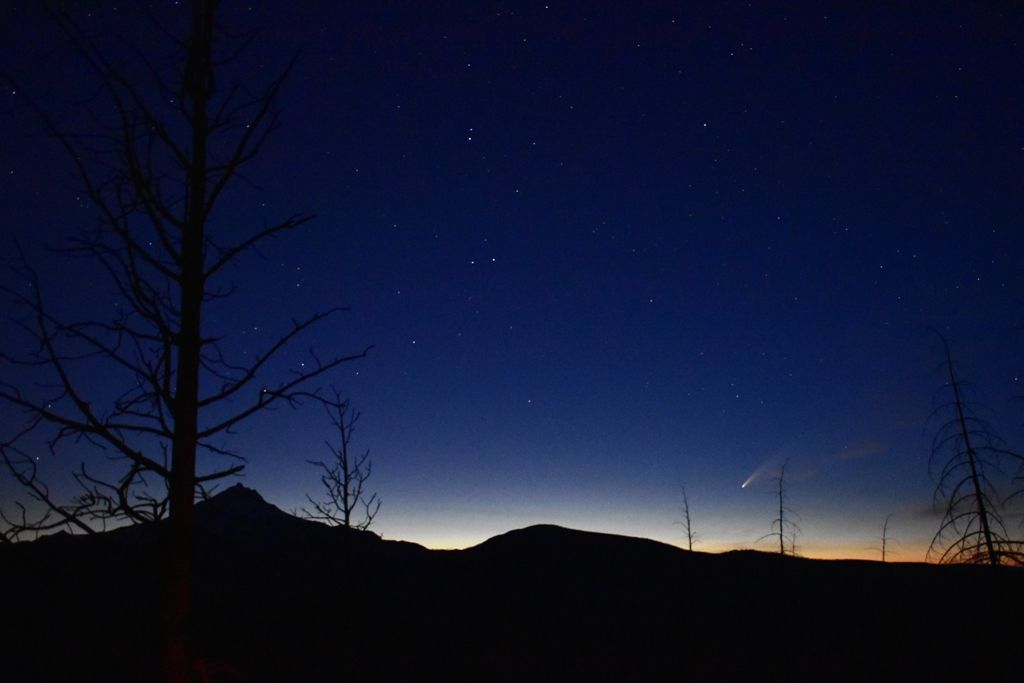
(756,473)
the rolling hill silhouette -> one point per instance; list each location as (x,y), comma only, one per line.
(285,599)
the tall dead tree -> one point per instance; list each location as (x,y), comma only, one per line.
(885,536)
(969,456)
(158,157)
(687,523)
(885,540)
(344,478)
(783,524)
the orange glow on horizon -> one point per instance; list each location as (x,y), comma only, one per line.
(814,551)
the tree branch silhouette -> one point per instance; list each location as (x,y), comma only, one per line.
(154,182)
(691,536)
(968,455)
(783,524)
(344,477)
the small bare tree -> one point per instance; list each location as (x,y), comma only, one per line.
(885,539)
(969,457)
(783,524)
(691,536)
(344,477)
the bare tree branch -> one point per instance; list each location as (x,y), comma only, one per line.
(783,524)
(152,434)
(691,536)
(972,529)
(344,477)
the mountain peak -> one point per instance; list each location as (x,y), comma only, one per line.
(551,542)
(239,494)
(239,505)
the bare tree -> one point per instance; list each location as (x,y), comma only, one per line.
(691,536)
(344,478)
(154,164)
(783,524)
(969,456)
(884,538)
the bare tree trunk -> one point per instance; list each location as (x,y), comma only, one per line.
(885,536)
(979,495)
(782,537)
(686,521)
(162,265)
(345,477)
(197,86)
(969,458)
(782,521)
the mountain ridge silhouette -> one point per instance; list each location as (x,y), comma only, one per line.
(281,598)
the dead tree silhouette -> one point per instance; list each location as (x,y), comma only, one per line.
(344,477)
(885,540)
(783,524)
(160,156)
(687,523)
(885,537)
(969,456)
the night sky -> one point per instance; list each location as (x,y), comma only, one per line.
(602,250)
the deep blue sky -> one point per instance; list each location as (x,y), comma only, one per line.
(605,249)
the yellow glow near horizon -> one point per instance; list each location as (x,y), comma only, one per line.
(814,551)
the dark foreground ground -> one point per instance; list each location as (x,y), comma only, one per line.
(282,599)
